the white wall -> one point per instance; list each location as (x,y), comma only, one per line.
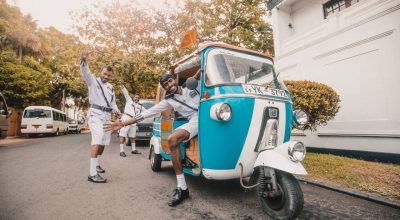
(356,52)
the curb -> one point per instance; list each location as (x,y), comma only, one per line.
(370,197)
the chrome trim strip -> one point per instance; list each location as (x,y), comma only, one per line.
(270,98)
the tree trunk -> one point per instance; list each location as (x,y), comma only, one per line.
(20,53)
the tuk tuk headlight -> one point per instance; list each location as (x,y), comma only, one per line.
(300,117)
(221,112)
(297,151)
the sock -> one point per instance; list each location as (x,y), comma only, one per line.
(181,181)
(133,146)
(121,148)
(93,165)
(97,160)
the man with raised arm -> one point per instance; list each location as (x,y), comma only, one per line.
(132,108)
(102,104)
(185,102)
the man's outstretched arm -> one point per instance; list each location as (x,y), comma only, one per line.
(85,72)
(162,106)
(125,93)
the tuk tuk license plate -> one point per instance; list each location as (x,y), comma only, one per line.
(259,90)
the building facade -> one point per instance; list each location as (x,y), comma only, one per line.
(354,47)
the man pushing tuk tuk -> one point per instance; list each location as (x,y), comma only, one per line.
(185,102)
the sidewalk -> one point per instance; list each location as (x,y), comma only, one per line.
(15,139)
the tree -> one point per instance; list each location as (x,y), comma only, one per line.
(62,59)
(19,32)
(26,83)
(237,22)
(141,43)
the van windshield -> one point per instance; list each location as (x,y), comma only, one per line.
(37,113)
(231,67)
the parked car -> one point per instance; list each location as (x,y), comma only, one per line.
(4,114)
(43,120)
(74,126)
(145,128)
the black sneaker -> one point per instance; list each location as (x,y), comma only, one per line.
(97,179)
(100,170)
(122,154)
(179,196)
(135,152)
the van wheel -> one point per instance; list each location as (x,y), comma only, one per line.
(155,160)
(32,135)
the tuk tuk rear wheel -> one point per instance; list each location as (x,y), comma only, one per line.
(155,160)
(286,204)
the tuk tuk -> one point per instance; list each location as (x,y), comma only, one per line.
(245,120)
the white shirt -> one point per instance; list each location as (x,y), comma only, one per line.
(189,97)
(95,94)
(131,108)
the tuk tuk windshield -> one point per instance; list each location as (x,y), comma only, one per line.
(232,67)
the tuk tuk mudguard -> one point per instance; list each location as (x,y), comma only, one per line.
(156,144)
(278,159)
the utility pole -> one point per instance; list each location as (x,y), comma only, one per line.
(63,101)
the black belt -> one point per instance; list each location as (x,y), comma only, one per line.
(104,109)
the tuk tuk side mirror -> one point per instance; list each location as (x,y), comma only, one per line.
(191,83)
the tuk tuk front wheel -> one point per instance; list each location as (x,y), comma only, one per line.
(155,160)
(285,203)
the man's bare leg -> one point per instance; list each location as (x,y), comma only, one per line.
(174,140)
(182,191)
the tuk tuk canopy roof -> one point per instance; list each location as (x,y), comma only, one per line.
(201,47)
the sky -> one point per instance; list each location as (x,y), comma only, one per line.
(56,12)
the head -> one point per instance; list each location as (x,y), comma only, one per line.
(168,82)
(106,74)
(136,98)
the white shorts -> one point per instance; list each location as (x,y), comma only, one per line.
(128,131)
(99,136)
(192,126)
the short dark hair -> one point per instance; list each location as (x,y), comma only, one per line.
(165,77)
(108,68)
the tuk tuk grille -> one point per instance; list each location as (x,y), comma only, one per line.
(268,113)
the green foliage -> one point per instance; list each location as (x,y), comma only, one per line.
(318,100)
(140,43)
(48,51)
(23,86)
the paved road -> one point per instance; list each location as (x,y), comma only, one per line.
(46,178)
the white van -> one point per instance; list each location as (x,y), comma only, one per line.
(43,120)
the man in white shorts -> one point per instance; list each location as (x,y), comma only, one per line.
(102,104)
(185,102)
(132,108)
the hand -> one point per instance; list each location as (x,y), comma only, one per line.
(119,114)
(113,126)
(84,55)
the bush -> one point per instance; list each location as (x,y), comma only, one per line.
(318,100)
